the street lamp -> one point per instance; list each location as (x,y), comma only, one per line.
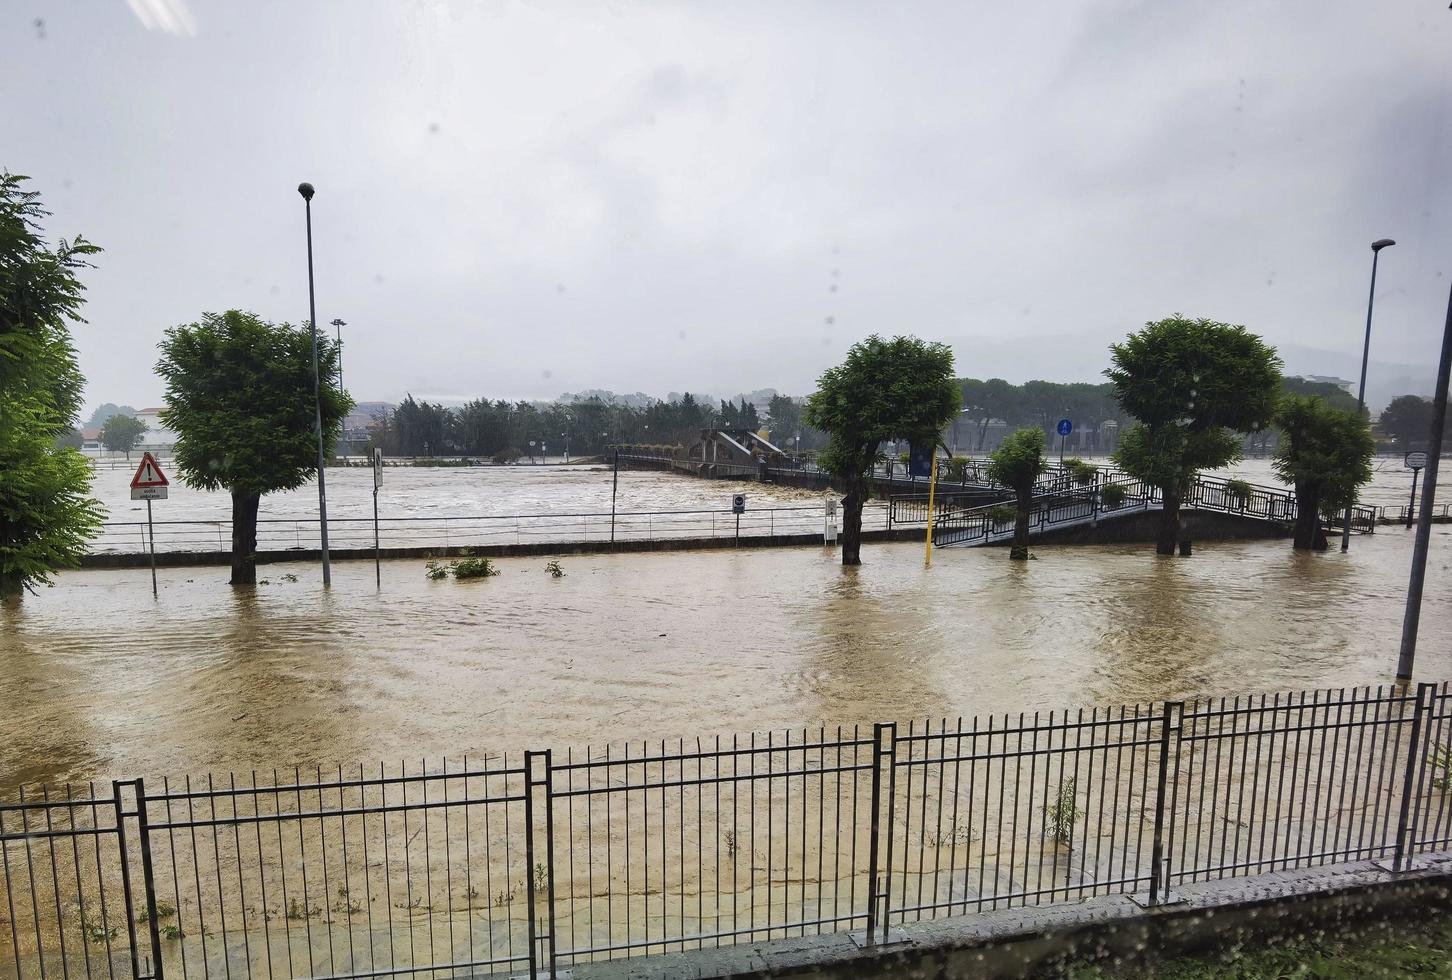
(338,325)
(1376,248)
(306,190)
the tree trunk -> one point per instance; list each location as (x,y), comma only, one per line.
(1309,534)
(1019,550)
(852,522)
(244,537)
(1169,522)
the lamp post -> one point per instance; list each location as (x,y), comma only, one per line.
(338,325)
(306,190)
(1376,248)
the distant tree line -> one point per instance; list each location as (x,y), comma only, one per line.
(585,426)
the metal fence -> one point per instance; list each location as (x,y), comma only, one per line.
(538,862)
(462,530)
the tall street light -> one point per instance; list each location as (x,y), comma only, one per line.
(1376,248)
(338,324)
(306,190)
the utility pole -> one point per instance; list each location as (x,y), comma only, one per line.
(306,190)
(1413,616)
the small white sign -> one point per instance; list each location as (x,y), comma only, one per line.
(148,493)
(377,468)
(1414,461)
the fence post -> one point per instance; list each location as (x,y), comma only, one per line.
(1169,722)
(125,877)
(532,885)
(1406,820)
(884,746)
(149,881)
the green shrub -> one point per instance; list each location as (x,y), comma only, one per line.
(555,570)
(1080,472)
(955,469)
(1112,495)
(1238,489)
(474,568)
(508,455)
(1002,515)
(436,570)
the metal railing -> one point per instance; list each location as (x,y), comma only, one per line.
(283,534)
(1061,501)
(546,860)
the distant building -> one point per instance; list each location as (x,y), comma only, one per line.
(157,438)
(91,440)
(359,426)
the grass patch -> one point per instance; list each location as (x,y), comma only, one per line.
(1418,946)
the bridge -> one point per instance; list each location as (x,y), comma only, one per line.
(1061,502)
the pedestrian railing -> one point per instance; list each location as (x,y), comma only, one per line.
(535,863)
(458,530)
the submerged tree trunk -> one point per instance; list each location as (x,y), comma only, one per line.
(244,537)
(1310,535)
(1019,550)
(852,526)
(852,503)
(1169,522)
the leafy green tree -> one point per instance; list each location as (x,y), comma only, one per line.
(1325,453)
(1017,464)
(99,416)
(121,433)
(886,389)
(46,511)
(1408,421)
(239,395)
(1332,394)
(1192,385)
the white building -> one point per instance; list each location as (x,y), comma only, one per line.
(157,438)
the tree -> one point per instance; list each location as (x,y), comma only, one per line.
(1408,421)
(1331,393)
(121,433)
(99,416)
(884,390)
(1325,453)
(46,511)
(239,394)
(1191,384)
(1018,463)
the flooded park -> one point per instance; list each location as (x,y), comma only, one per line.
(100,681)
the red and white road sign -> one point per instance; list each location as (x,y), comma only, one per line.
(150,482)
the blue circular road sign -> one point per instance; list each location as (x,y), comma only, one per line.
(1065,427)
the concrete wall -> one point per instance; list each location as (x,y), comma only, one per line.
(1042,941)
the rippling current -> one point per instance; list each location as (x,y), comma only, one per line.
(97,680)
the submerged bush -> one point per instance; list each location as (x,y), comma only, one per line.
(473,568)
(1113,495)
(435,571)
(555,570)
(1002,515)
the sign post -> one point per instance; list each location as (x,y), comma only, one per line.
(149,484)
(1413,462)
(614,492)
(377,482)
(738,507)
(1064,427)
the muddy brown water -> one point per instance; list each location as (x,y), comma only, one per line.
(98,680)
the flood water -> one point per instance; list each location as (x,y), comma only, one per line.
(98,680)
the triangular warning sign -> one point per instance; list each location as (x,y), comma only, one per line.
(148,474)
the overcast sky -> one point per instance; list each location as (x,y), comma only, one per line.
(519,199)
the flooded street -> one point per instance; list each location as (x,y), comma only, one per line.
(97,680)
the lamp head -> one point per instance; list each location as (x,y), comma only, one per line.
(306,190)
(1381,243)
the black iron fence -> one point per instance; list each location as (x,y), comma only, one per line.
(537,862)
(1060,500)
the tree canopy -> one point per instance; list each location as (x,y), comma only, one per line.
(1017,464)
(1325,453)
(1407,421)
(1191,384)
(901,388)
(121,433)
(46,511)
(239,394)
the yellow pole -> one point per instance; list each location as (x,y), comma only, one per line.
(932,488)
